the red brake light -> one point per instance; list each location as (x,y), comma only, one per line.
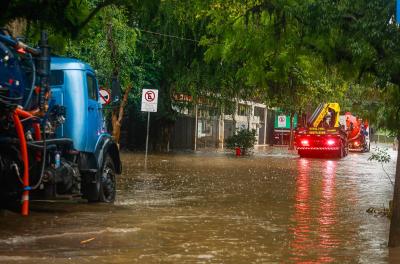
(305,142)
(330,142)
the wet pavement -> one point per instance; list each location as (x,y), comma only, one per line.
(212,207)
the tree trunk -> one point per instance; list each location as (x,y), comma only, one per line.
(394,234)
(118,114)
(291,145)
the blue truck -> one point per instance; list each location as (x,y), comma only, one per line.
(53,140)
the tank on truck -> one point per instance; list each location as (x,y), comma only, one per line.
(42,55)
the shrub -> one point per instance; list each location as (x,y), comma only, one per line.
(243,139)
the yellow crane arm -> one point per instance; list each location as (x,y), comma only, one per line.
(323,111)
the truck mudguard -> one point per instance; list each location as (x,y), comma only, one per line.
(91,162)
(106,145)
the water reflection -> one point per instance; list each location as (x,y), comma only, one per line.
(315,217)
(327,213)
(302,242)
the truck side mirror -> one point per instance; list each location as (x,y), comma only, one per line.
(115,90)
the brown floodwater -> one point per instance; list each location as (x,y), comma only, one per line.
(212,207)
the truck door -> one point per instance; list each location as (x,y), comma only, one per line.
(94,116)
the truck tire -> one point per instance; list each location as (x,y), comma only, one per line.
(341,152)
(91,187)
(303,153)
(107,181)
(103,189)
(367,147)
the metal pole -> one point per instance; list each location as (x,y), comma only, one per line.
(265,125)
(147,139)
(222,126)
(195,129)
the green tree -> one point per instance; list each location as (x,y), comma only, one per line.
(266,48)
(109,45)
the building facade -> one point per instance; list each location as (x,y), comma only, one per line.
(203,126)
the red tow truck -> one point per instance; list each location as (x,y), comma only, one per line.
(323,134)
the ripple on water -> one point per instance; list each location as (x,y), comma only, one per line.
(30,238)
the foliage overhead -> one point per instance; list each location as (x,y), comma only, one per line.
(66,16)
(286,53)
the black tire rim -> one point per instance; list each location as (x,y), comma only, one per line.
(108,183)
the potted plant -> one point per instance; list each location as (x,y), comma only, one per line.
(242,141)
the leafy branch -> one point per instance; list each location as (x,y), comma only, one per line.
(383,157)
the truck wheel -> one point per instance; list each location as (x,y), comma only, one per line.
(102,189)
(91,188)
(303,154)
(367,148)
(107,181)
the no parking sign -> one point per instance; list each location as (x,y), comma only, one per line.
(149,100)
(281,121)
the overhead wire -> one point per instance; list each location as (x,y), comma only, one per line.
(167,35)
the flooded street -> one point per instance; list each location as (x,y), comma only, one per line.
(215,208)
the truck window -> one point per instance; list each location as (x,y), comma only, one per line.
(91,86)
(56,77)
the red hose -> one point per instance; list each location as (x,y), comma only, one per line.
(24,154)
(36,126)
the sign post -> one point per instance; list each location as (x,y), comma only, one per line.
(149,104)
(281,124)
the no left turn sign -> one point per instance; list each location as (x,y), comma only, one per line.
(149,100)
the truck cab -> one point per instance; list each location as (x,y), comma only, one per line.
(74,87)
